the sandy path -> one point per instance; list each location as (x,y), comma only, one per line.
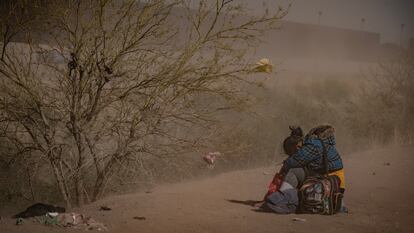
(379,197)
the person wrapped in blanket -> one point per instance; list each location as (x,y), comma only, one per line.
(305,159)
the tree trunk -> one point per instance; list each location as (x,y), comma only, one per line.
(79,190)
(61,185)
(99,184)
(101,179)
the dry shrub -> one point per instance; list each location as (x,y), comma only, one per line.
(99,91)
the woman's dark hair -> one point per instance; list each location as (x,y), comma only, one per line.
(296,131)
(290,143)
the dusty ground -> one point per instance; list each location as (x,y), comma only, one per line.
(379,194)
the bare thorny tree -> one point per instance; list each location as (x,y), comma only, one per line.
(97,86)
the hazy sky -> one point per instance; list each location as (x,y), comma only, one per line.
(383,16)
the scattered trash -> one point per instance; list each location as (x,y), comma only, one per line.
(266,173)
(47,220)
(105,208)
(139,218)
(387,164)
(299,219)
(263,66)
(67,220)
(210,158)
(70,219)
(52,214)
(19,221)
(39,209)
(80,220)
(95,225)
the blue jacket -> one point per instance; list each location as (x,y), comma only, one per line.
(310,156)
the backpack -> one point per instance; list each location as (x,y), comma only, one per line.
(320,194)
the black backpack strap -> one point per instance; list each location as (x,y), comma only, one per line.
(325,158)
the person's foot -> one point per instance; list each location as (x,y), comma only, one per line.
(261,210)
(344,210)
(258,205)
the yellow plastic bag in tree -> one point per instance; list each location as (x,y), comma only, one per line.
(264,65)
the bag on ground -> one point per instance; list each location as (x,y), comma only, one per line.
(320,195)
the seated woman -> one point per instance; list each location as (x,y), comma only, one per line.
(282,196)
(315,154)
(318,156)
(285,200)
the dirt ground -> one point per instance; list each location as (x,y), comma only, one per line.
(379,192)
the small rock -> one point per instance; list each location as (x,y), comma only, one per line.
(105,208)
(265,173)
(139,218)
(387,164)
(299,220)
(373,173)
